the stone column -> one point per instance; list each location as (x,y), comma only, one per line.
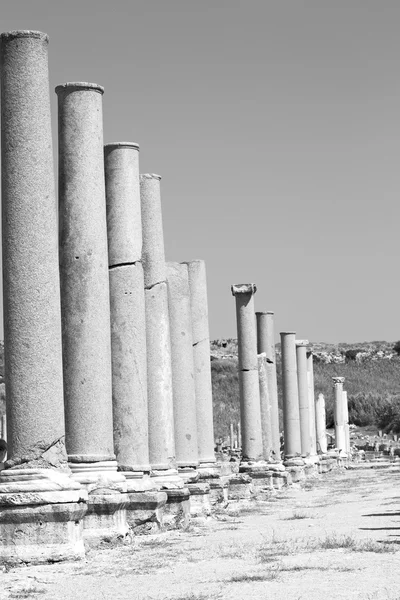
(202,364)
(184,394)
(266,343)
(338,412)
(291,413)
(346,422)
(128,320)
(311,402)
(304,409)
(85,300)
(265,408)
(320,424)
(41,489)
(231,437)
(250,412)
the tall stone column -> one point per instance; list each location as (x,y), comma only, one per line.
(128,319)
(266,343)
(346,421)
(202,364)
(265,408)
(291,413)
(338,413)
(311,402)
(304,409)
(85,297)
(182,366)
(250,411)
(41,490)
(320,424)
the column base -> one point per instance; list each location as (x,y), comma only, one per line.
(200,505)
(188,474)
(295,467)
(98,477)
(177,509)
(266,477)
(41,515)
(145,511)
(240,487)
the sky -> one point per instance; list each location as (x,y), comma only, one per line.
(275,126)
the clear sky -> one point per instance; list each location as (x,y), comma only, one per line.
(276,128)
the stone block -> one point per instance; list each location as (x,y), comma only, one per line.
(177,509)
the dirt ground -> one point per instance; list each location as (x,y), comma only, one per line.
(337,536)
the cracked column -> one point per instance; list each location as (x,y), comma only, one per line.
(128,326)
(266,343)
(304,409)
(40,506)
(311,402)
(85,303)
(250,412)
(159,369)
(291,413)
(339,414)
(320,425)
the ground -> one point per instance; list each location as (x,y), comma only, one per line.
(336,537)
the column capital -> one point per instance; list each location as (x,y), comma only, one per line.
(302,343)
(243,288)
(112,145)
(24,33)
(265,312)
(337,380)
(79,85)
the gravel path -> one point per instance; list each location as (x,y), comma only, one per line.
(336,537)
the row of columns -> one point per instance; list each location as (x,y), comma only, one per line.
(107,359)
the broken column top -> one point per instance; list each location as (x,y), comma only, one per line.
(243,288)
(150,176)
(265,312)
(79,85)
(288,333)
(302,343)
(132,145)
(338,379)
(24,33)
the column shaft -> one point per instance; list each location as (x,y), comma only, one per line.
(84,275)
(266,343)
(311,402)
(250,410)
(338,413)
(320,424)
(265,408)
(128,320)
(201,358)
(182,365)
(346,421)
(291,416)
(159,373)
(304,410)
(32,318)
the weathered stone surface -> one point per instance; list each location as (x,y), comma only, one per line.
(250,417)
(145,511)
(106,517)
(311,403)
(184,395)
(84,272)
(201,358)
(265,408)
(153,255)
(339,414)
(32,320)
(124,222)
(129,367)
(159,379)
(246,326)
(304,408)
(177,509)
(320,424)
(200,505)
(99,477)
(291,417)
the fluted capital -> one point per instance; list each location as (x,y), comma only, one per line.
(337,380)
(243,288)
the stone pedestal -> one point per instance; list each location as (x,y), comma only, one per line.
(250,411)
(41,509)
(128,319)
(145,511)
(320,425)
(339,415)
(266,344)
(291,417)
(304,410)
(85,303)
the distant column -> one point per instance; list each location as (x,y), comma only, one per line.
(320,424)
(265,407)
(266,343)
(182,365)
(159,371)
(85,295)
(311,402)
(291,416)
(128,319)
(202,362)
(250,411)
(338,412)
(346,421)
(304,409)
